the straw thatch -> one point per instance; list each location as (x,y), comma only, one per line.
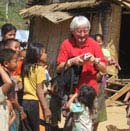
(58,12)
(38,9)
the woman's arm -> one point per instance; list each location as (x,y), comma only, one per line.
(101,67)
(60,67)
(97,63)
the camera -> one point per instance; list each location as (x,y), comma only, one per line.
(86,56)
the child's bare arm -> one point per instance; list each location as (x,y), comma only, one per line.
(11,112)
(7,81)
(13,117)
(71,100)
(17,106)
(40,94)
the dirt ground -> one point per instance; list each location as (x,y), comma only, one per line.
(116,115)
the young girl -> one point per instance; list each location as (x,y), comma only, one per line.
(82,108)
(33,75)
(8,31)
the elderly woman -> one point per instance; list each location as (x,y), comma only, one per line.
(79,50)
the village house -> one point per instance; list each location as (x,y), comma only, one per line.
(49,24)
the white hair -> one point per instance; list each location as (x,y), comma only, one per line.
(79,21)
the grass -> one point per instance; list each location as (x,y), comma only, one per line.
(13,14)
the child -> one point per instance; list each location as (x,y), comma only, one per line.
(14,44)
(5,85)
(46,85)
(99,38)
(8,31)
(22,54)
(83,108)
(33,75)
(8,59)
(55,104)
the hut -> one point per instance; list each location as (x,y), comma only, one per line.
(49,23)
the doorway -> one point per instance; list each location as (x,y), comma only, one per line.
(124,47)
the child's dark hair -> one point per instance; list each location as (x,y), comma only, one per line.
(99,35)
(87,96)
(8,42)
(7,28)
(34,51)
(54,83)
(6,55)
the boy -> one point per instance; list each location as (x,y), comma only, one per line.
(14,44)
(8,59)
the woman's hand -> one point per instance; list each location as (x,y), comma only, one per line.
(78,60)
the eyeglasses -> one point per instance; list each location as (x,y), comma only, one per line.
(82,31)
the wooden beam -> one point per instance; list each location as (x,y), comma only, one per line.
(110,90)
(116,83)
(119,93)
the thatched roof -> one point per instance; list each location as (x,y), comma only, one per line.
(58,12)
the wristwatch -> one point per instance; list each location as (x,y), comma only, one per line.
(97,61)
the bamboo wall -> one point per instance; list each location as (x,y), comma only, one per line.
(51,35)
(114,24)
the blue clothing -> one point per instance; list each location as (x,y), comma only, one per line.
(81,117)
(13,127)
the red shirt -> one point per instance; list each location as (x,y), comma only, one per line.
(68,49)
(18,69)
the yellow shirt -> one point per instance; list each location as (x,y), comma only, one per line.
(36,76)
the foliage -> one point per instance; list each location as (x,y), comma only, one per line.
(9,13)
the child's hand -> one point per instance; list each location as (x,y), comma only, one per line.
(23,115)
(47,114)
(76,95)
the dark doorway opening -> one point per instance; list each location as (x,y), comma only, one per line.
(124,47)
